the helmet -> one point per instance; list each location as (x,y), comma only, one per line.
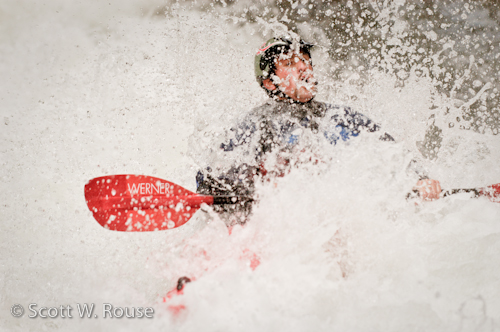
(270,50)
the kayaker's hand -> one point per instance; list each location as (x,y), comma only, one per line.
(429,189)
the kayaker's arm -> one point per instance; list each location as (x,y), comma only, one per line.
(428,189)
(237,181)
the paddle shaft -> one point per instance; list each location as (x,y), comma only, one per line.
(492,192)
(477,192)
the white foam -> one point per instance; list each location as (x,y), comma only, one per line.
(98,89)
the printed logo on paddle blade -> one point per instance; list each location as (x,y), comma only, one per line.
(146,188)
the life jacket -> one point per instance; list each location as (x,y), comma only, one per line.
(274,129)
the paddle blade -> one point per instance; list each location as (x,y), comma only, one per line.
(492,192)
(138,203)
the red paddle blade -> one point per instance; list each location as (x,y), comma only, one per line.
(492,192)
(138,203)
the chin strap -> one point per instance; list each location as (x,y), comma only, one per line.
(276,94)
(280,96)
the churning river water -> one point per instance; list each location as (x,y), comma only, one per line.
(121,88)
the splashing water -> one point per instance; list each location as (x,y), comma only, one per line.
(150,88)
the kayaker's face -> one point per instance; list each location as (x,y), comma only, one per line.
(294,77)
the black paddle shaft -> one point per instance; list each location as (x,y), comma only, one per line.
(477,192)
(220,200)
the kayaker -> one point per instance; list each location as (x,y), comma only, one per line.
(283,68)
